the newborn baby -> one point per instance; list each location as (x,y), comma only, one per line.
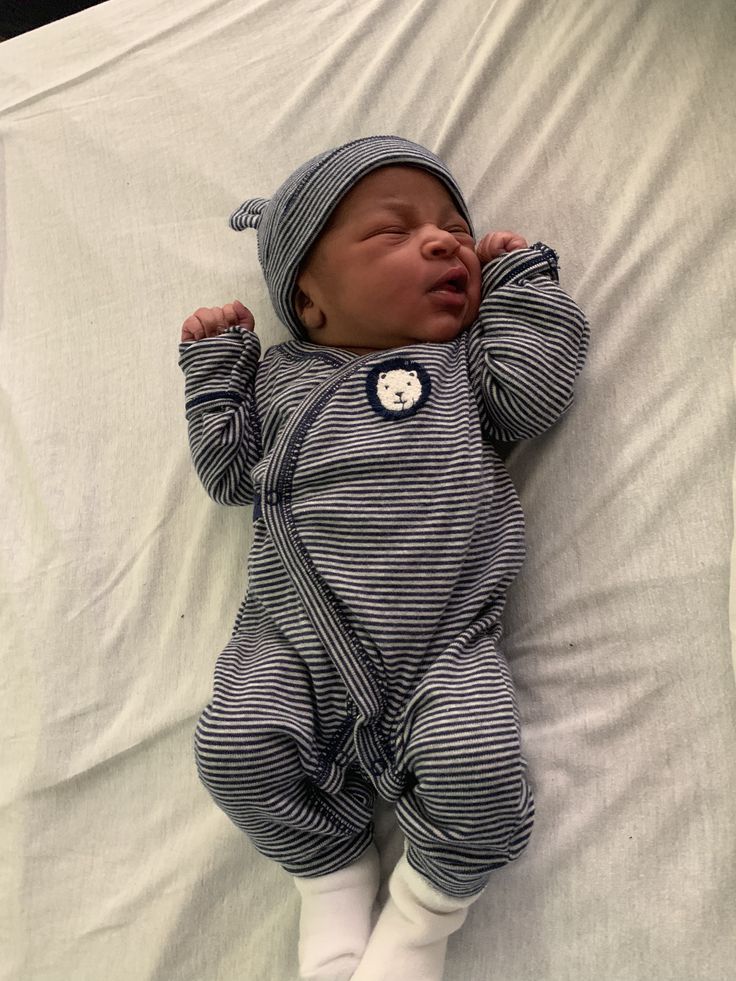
(365,660)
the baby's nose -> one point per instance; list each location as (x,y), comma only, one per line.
(443,243)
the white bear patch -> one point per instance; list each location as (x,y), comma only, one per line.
(397,388)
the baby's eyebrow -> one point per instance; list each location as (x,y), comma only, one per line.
(392,204)
(397,206)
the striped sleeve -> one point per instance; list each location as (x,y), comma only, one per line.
(223,423)
(527,346)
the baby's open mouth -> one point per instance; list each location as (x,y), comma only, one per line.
(455,280)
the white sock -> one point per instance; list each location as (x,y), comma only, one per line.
(335,919)
(409,941)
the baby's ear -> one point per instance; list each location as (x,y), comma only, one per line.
(309,314)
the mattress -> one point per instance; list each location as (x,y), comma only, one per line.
(129,133)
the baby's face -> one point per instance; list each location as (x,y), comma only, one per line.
(396,265)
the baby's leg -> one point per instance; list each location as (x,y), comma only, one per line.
(254,749)
(471,808)
(468,812)
(336,918)
(323,840)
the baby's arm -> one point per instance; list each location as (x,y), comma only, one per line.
(529,342)
(219,355)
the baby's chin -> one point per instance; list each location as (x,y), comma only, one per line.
(439,332)
(446,326)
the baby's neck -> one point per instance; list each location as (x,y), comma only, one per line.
(360,350)
(352,350)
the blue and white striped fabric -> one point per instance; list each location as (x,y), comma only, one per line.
(290,222)
(365,656)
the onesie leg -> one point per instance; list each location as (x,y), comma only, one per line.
(410,939)
(257,755)
(469,808)
(335,919)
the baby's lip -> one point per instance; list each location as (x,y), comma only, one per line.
(454,280)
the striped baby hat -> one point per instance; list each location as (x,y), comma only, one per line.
(289,222)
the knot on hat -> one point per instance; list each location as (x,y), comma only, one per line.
(248,214)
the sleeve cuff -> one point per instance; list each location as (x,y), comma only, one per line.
(538,259)
(233,341)
(219,370)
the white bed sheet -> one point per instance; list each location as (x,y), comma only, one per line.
(129,133)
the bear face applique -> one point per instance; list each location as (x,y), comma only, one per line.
(398,388)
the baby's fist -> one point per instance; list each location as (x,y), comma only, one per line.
(211,321)
(494,244)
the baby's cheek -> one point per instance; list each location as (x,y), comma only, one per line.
(472,264)
(471,313)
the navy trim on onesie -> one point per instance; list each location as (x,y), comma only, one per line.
(224,396)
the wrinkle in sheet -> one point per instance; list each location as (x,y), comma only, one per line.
(493,55)
(535,119)
(126,568)
(79,49)
(331,40)
(93,104)
(375,49)
(669,102)
(574,625)
(138,857)
(489,52)
(92,762)
(30,538)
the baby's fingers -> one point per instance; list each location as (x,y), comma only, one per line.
(205,322)
(213,321)
(494,244)
(238,315)
(489,247)
(192,329)
(516,242)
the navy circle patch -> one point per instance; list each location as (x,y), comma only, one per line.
(398,388)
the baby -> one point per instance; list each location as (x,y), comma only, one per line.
(364,662)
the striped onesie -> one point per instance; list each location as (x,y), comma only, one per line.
(365,656)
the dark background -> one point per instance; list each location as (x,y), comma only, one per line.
(19,17)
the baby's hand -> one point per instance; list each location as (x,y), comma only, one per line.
(209,322)
(494,244)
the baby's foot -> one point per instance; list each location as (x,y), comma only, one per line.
(335,920)
(409,942)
